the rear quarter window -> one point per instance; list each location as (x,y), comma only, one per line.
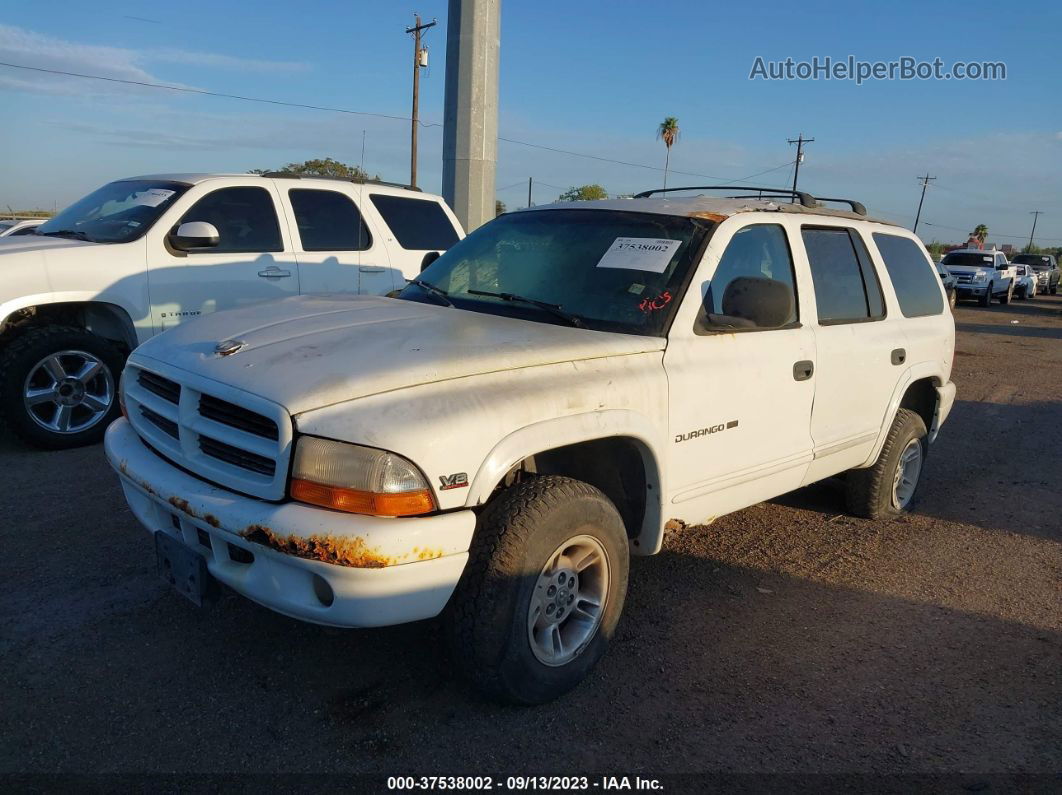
(417,224)
(917,287)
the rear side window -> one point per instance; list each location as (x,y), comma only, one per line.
(917,289)
(245,218)
(846,286)
(417,224)
(328,221)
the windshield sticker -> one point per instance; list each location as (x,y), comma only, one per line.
(987,259)
(636,288)
(640,254)
(153,197)
(655,304)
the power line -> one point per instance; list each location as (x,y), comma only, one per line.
(800,140)
(993,234)
(205,93)
(282,103)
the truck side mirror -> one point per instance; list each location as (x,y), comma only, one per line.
(194,234)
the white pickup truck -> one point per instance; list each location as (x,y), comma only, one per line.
(141,255)
(981,275)
(494,443)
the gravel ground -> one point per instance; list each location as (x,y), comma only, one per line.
(786,638)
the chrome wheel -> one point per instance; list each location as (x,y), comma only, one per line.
(568,601)
(68,392)
(908,468)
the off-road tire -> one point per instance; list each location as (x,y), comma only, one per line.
(23,354)
(486,621)
(986,299)
(869,491)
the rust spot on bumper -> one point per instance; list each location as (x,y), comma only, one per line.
(212,520)
(341,551)
(181,505)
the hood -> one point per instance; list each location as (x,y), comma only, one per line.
(22,244)
(308,352)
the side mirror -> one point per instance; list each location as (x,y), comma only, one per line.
(194,234)
(752,302)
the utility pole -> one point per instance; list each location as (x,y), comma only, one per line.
(800,140)
(1036,216)
(529,181)
(420,58)
(925,183)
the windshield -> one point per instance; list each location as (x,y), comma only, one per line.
(5,225)
(602,269)
(1039,262)
(968,259)
(117,212)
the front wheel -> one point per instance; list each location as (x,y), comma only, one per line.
(952,300)
(1005,298)
(542,592)
(986,299)
(59,386)
(888,488)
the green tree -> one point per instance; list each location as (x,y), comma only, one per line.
(935,249)
(320,168)
(981,233)
(583,193)
(499,207)
(668,132)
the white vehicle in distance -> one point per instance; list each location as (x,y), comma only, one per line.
(16,227)
(981,275)
(1024,281)
(145,254)
(496,442)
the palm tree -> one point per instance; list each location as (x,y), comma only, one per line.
(668,132)
(981,233)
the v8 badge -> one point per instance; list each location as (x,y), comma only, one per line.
(458,480)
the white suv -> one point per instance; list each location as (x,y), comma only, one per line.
(494,444)
(141,255)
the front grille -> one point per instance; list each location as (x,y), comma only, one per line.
(163,387)
(237,417)
(237,457)
(241,443)
(167,426)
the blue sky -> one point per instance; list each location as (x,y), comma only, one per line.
(591,77)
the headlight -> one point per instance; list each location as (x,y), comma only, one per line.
(356,479)
(980,276)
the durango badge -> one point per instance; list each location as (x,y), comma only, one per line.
(458,480)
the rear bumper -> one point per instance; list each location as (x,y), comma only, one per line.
(392,571)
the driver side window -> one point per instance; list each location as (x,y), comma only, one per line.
(245,218)
(753,287)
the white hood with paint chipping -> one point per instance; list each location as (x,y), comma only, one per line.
(308,352)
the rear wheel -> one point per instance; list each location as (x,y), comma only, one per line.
(888,488)
(542,591)
(58,386)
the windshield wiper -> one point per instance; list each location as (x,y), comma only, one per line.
(555,309)
(67,233)
(431,288)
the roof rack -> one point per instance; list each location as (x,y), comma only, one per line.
(857,207)
(806,199)
(293,175)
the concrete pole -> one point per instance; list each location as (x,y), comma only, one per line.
(470,122)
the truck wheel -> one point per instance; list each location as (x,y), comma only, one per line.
(542,591)
(1005,298)
(888,488)
(952,300)
(986,299)
(58,386)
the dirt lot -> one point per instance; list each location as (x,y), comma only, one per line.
(785,638)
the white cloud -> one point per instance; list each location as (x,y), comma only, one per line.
(29,48)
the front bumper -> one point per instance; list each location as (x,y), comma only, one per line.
(967,290)
(393,570)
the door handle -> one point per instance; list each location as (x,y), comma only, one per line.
(899,356)
(802,370)
(273,272)
(371,268)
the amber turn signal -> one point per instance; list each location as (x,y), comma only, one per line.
(408,503)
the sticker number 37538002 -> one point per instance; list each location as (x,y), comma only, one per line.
(640,253)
